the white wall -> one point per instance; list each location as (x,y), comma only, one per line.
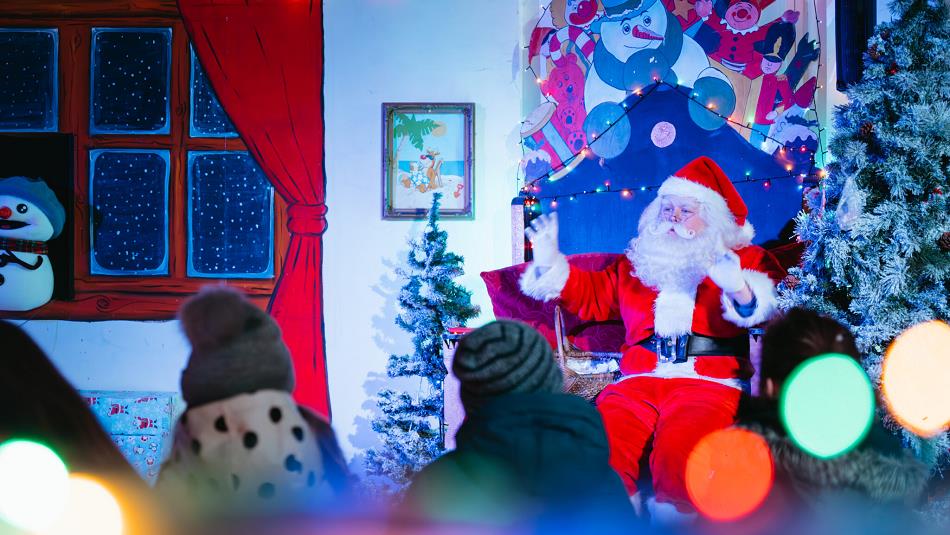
(407,51)
(114,355)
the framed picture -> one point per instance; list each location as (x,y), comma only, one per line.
(427,149)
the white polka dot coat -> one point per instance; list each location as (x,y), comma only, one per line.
(250,450)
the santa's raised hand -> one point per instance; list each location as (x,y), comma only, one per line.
(543,236)
(727,274)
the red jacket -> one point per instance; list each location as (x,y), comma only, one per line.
(615,293)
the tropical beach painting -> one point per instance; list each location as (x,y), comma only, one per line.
(427,149)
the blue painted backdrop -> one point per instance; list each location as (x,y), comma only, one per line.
(632,91)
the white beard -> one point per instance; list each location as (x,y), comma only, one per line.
(674,265)
(673,262)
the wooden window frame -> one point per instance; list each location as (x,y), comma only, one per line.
(100,297)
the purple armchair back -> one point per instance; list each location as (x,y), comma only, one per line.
(508,302)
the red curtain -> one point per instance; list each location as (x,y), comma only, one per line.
(264,59)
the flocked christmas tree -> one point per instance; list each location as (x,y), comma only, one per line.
(877,231)
(412,423)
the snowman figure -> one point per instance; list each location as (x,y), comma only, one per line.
(30,215)
(641,43)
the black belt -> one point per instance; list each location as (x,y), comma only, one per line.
(678,349)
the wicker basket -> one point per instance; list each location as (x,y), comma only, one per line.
(585,385)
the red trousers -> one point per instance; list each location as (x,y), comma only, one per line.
(677,413)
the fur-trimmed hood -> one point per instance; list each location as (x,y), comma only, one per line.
(878,469)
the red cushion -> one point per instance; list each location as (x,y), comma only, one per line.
(508,302)
(789,255)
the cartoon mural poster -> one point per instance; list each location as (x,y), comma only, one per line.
(428,155)
(693,69)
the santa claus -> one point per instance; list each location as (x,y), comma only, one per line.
(687,290)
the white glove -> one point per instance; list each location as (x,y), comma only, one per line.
(543,236)
(727,273)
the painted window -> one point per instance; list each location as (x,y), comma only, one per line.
(129,216)
(130,81)
(168,198)
(28,80)
(230,212)
(208,118)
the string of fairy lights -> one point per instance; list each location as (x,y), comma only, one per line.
(532,201)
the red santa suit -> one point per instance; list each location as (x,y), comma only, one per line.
(678,403)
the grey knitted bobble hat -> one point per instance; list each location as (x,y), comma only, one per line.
(504,357)
(236,348)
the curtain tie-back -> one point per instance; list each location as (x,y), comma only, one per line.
(307,219)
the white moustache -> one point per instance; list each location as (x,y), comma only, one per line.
(664,227)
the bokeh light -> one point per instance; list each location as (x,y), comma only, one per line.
(729,473)
(34,484)
(827,405)
(90,510)
(915,379)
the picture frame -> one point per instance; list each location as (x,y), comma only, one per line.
(427,149)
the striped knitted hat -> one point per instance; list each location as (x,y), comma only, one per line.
(504,357)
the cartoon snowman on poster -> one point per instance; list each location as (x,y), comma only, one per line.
(30,216)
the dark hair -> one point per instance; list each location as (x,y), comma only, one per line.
(335,470)
(37,403)
(797,336)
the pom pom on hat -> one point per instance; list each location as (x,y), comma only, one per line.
(237,348)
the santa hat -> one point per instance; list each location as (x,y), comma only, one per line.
(703,180)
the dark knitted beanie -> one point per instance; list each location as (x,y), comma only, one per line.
(504,357)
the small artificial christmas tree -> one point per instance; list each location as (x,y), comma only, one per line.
(412,423)
(874,258)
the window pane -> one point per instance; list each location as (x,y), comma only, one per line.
(129,221)
(230,217)
(28,74)
(130,81)
(208,118)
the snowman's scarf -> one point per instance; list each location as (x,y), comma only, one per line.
(23,246)
(8,248)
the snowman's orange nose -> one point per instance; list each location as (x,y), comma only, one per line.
(5,212)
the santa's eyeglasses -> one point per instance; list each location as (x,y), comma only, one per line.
(678,212)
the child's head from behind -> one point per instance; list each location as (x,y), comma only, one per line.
(237,348)
(795,337)
(504,357)
(251,447)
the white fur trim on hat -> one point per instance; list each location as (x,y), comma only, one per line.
(673,312)
(746,233)
(766,300)
(542,284)
(675,185)
(714,202)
